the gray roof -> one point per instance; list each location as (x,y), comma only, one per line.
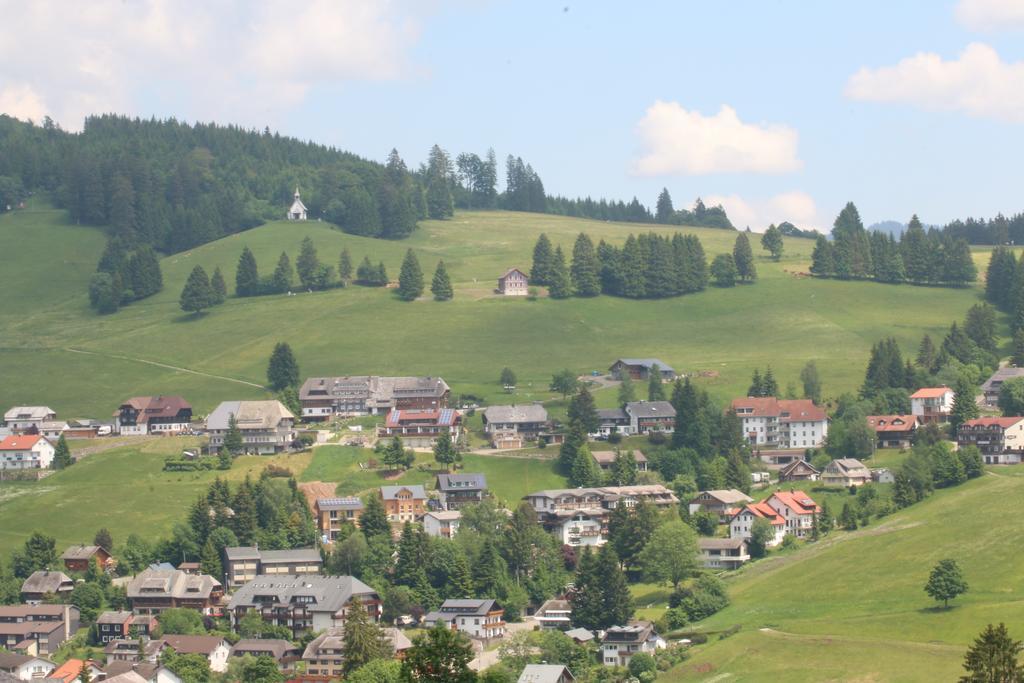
(648,363)
(451,608)
(37,413)
(516,413)
(80,552)
(329,593)
(272,556)
(351,503)
(126,677)
(171,582)
(544,673)
(112,617)
(46,582)
(388,492)
(249,415)
(371,388)
(849,465)
(580,634)
(1001,375)
(275,646)
(9,660)
(728,496)
(720,543)
(242,552)
(612,414)
(604,457)
(650,409)
(461,482)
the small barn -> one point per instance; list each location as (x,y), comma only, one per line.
(513,283)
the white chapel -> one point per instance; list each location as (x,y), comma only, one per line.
(298,210)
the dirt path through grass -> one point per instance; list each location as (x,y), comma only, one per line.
(165,365)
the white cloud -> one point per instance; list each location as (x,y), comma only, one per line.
(235,60)
(978,83)
(990,15)
(796,207)
(678,141)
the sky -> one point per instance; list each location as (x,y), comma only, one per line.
(777,109)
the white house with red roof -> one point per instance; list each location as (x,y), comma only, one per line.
(742,522)
(1000,439)
(931,404)
(25,453)
(779,423)
(797,508)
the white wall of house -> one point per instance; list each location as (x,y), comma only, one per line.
(581,530)
(40,456)
(742,523)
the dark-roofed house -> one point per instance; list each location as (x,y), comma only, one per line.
(420,428)
(845,472)
(245,563)
(799,470)
(457,490)
(513,282)
(605,459)
(37,629)
(24,667)
(77,558)
(650,416)
(994,384)
(214,648)
(611,421)
(114,625)
(512,423)
(893,431)
(481,619)
(266,426)
(546,673)
(40,583)
(142,415)
(325,397)
(303,603)
(404,503)
(154,590)
(1000,439)
(620,643)
(334,513)
(723,553)
(284,652)
(640,368)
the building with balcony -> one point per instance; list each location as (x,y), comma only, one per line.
(266,426)
(244,563)
(332,514)
(458,490)
(154,590)
(442,523)
(931,404)
(620,643)
(325,397)
(1000,439)
(781,424)
(723,553)
(893,431)
(420,428)
(404,503)
(480,619)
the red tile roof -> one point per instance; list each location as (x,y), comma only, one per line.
(790,410)
(764,511)
(930,392)
(797,501)
(1004,422)
(884,423)
(19,443)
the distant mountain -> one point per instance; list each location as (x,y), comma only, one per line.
(894,228)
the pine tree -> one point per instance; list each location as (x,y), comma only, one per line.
(233,443)
(914,249)
(247,278)
(743,256)
(444,450)
(926,354)
(585,471)
(507,379)
(965,407)
(220,289)
(627,392)
(283,369)
(771,241)
(197,293)
(374,520)
(307,263)
(655,387)
(559,286)
(364,640)
(664,211)
(543,257)
(756,384)
(631,269)
(823,258)
(345,266)
(410,279)
(585,268)
(770,387)
(62,455)
(993,658)
(616,600)
(1018,349)
(281,281)
(209,560)
(440,204)
(811,381)
(441,285)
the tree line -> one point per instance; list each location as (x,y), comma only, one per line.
(918,257)
(123,276)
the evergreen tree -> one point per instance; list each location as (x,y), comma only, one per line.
(811,381)
(770,387)
(616,600)
(282,370)
(585,268)
(444,450)
(582,412)
(851,245)
(915,251)
(771,241)
(410,279)
(1000,279)
(965,407)
(631,269)
(441,285)
(220,289)
(980,326)
(374,520)
(233,443)
(664,212)
(823,258)
(364,640)
(488,570)
(655,387)
(926,354)
(627,392)
(307,263)
(993,658)
(559,287)
(281,281)
(585,471)
(756,385)
(440,203)
(743,256)
(958,268)
(197,293)
(247,278)
(62,455)
(244,523)
(1018,349)
(946,581)
(209,560)
(723,270)
(543,261)
(345,266)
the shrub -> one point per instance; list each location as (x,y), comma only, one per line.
(729,632)
(657,438)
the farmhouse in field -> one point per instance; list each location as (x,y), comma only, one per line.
(143,415)
(779,423)
(266,426)
(420,428)
(932,404)
(893,431)
(303,603)
(845,472)
(25,452)
(22,418)
(325,397)
(994,384)
(1000,439)
(333,513)
(513,283)
(640,368)
(297,212)
(481,619)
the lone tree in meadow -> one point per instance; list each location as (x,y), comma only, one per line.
(62,455)
(564,382)
(283,370)
(441,285)
(247,277)
(946,582)
(345,266)
(410,278)
(508,379)
(444,450)
(197,293)
(993,658)
(219,287)
(743,256)
(771,241)
(281,281)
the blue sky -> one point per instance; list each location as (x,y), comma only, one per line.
(781,110)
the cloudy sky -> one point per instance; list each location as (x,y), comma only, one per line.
(779,110)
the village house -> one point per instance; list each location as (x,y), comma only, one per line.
(513,282)
(297,211)
(404,503)
(332,514)
(1000,439)
(479,619)
(546,673)
(150,672)
(128,650)
(51,430)
(114,625)
(931,404)
(640,368)
(723,553)
(723,502)
(781,424)
(994,384)
(22,418)
(579,516)
(325,397)
(78,558)
(611,421)
(458,490)
(420,428)
(283,652)
(554,614)
(244,563)
(620,643)
(742,523)
(579,527)
(70,670)
(893,431)
(42,583)
(303,603)
(154,590)
(650,416)
(324,657)
(266,426)
(883,475)
(511,426)
(24,667)
(214,648)
(580,636)
(845,472)
(141,415)
(797,508)
(37,630)
(26,453)
(442,523)
(605,459)
(799,470)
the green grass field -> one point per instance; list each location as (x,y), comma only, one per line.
(782,320)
